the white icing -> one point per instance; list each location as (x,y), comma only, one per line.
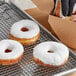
(60,52)
(29,24)
(74,9)
(16,47)
(24,4)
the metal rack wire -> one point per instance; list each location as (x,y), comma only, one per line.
(26,66)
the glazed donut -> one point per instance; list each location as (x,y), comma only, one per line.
(25,31)
(50,53)
(10,52)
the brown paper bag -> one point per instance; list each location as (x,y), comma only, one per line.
(44,5)
(65,30)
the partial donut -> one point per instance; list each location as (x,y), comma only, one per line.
(10,52)
(50,53)
(25,31)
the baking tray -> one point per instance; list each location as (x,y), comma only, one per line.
(10,14)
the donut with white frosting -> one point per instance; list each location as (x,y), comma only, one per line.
(50,53)
(25,31)
(10,52)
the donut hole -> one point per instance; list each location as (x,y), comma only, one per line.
(50,51)
(8,51)
(24,29)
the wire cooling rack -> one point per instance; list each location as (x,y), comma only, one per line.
(26,66)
